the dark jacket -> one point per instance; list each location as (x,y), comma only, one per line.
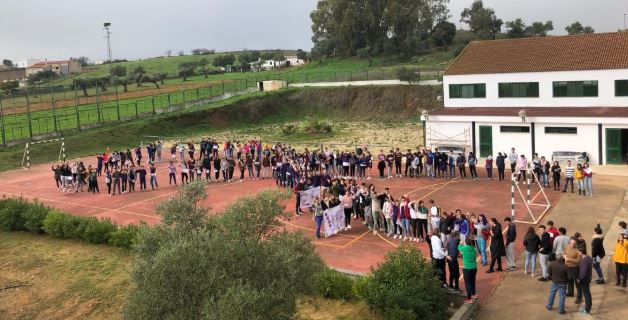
(499,161)
(597,247)
(558,272)
(531,242)
(511,234)
(546,244)
(586,268)
(497,241)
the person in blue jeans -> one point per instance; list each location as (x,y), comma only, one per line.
(317,209)
(558,272)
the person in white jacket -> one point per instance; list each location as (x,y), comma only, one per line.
(438,255)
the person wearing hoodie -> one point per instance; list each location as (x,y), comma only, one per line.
(584,281)
(488,164)
(620,257)
(598,253)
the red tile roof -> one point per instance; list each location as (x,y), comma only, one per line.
(45,63)
(585,112)
(598,51)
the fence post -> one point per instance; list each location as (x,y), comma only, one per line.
(367,75)
(137,115)
(197,95)
(98,102)
(169,104)
(76,109)
(2,123)
(115,84)
(211,95)
(306,77)
(183,96)
(54,108)
(223,86)
(28,112)
(350,75)
(153,103)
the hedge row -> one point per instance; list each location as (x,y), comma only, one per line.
(17,214)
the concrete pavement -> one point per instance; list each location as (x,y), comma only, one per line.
(519,296)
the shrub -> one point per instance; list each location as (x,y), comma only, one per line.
(34,217)
(407,281)
(360,285)
(62,225)
(397,313)
(93,230)
(125,237)
(316,126)
(12,214)
(289,129)
(330,283)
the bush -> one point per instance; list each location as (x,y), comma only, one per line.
(316,126)
(34,217)
(406,281)
(62,225)
(125,237)
(93,230)
(12,214)
(360,285)
(289,129)
(330,283)
(397,313)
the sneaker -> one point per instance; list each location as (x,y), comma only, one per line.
(349,226)
(474,297)
(577,301)
(375,232)
(468,301)
(562,312)
(599,281)
(542,279)
(584,312)
(532,274)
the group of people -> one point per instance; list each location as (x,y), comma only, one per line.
(572,265)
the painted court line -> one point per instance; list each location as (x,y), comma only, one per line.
(356,239)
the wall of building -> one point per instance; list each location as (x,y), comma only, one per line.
(14,74)
(606,89)
(586,139)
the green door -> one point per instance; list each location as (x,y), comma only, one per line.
(486,141)
(613,146)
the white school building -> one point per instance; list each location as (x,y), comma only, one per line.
(539,95)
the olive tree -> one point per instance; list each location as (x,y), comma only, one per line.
(239,264)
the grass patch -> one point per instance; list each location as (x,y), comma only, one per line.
(72,280)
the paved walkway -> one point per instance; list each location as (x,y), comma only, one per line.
(520,297)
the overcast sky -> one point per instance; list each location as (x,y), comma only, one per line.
(144,28)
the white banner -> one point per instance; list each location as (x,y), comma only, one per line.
(307,196)
(334,220)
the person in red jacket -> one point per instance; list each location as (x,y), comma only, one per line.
(553,232)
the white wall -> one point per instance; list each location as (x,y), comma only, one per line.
(606,89)
(545,144)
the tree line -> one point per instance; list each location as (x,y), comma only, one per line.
(408,28)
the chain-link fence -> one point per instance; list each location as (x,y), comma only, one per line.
(43,111)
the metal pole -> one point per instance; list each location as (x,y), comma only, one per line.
(153,103)
(115,85)
(137,115)
(98,102)
(169,100)
(528,174)
(76,109)
(4,141)
(28,112)
(211,95)
(54,109)
(512,195)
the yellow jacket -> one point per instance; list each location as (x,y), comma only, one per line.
(620,254)
(578,174)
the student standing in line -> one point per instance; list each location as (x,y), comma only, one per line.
(488,164)
(620,257)
(587,172)
(132,178)
(555,169)
(572,259)
(496,246)
(172,173)
(569,176)
(438,257)
(545,250)
(317,209)
(511,236)
(558,272)
(108,181)
(473,161)
(531,243)
(124,178)
(500,162)
(93,181)
(153,177)
(512,159)
(461,163)
(469,268)
(584,280)
(452,262)
(116,181)
(483,235)
(141,173)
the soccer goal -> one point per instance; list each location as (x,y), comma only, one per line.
(530,202)
(26,158)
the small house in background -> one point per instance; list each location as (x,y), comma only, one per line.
(26,63)
(271,85)
(273,64)
(293,61)
(12,74)
(62,68)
